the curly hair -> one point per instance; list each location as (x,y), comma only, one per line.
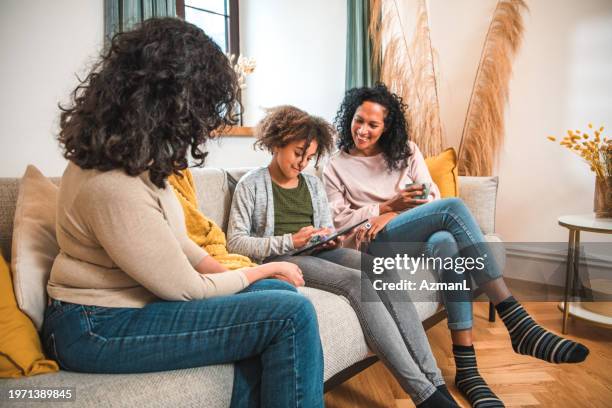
(285,124)
(156,94)
(394,139)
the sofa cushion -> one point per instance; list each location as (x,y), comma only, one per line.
(480,195)
(215,188)
(34,244)
(9,189)
(213,194)
(20,349)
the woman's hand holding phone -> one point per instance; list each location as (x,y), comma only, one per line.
(406,199)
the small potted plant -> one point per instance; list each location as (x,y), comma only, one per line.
(596,150)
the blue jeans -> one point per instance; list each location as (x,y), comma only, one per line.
(268,330)
(445,228)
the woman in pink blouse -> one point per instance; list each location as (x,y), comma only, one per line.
(372,177)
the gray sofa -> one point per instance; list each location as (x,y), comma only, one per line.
(345,349)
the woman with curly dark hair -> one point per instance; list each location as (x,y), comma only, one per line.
(381,175)
(129,291)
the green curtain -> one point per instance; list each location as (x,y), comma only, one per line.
(123,15)
(359,69)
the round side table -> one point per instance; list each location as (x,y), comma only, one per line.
(575,224)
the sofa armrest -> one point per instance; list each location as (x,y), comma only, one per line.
(480,195)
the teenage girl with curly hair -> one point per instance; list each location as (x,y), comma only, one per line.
(278,208)
(367,178)
(129,291)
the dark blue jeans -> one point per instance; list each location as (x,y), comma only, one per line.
(269,330)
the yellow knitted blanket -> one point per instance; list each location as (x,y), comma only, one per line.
(203,231)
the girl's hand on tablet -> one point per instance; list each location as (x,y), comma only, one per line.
(305,234)
(302,237)
(336,243)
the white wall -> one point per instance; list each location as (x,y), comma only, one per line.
(300,51)
(562,80)
(300,48)
(42,44)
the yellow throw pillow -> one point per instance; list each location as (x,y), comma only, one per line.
(20,349)
(444,172)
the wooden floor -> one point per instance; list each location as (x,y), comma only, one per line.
(520,381)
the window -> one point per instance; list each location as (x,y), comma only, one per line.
(218,18)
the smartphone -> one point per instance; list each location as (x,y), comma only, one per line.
(426,188)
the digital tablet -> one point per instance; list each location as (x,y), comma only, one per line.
(315,245)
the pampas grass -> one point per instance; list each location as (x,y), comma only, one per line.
(425,115)
(409,70)
(375,33)
(483,130)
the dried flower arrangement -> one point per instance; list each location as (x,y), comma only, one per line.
(595,149)
(243,67)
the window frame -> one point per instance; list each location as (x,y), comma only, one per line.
(232,32)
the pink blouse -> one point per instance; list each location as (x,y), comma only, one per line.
(356,185)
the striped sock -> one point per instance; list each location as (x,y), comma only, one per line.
(531,339)
(469,381)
